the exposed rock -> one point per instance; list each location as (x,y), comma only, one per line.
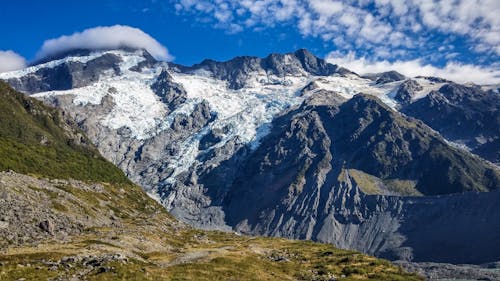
(68,75)
(434,79)
(406,91)
(171,93)
(236,71)
(390,76)
(465,115)
(385,77)
(295,185)
(47,226)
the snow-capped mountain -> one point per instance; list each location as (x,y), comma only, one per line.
(290,145)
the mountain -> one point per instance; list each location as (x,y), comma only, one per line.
(329,172)
(237,71)
(385,77)
(290,145)
(75,216)
(467,115)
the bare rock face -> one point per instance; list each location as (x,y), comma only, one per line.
(299,184)
(385,77)
(47,226)
(464,114)
(390,76)
(171,93)
(406,91)
(236,71)
(68,75)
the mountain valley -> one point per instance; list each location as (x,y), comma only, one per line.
(286,146)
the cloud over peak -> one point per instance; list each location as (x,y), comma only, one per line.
(10,61)
(105,37)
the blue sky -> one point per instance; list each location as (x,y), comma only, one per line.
(448,37)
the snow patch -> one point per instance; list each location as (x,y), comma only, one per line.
(244,114)
(427,87)
(136,105)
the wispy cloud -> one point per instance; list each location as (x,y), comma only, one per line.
(105,37)
(453,70)
(374,27)
(10,60)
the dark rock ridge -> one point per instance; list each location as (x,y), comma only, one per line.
(237,70)
(391,76)
(406,91)
(435,79)
(65,76)
(466,115)
(385,77)
(171,93)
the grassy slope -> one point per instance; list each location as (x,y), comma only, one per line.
(35,139)
(119,218)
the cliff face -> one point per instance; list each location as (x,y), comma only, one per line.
(467,115)
(306,179)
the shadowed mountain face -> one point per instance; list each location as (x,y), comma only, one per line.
(307,179)
(466,115)
(365,135)
(385,77)
(287,146)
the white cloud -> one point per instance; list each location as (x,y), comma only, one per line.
(363,22)
(105,37)
(10,61)
(326,8)
(454,71)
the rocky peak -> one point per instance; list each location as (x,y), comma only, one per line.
(406,91)
(237,70)
(390,76)
(74,69)
(434,79)
(87,52)
(465,115)
(313,64)
(171,93)
(367,104)
(456,92)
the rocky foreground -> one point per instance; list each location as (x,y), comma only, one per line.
(72,230)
